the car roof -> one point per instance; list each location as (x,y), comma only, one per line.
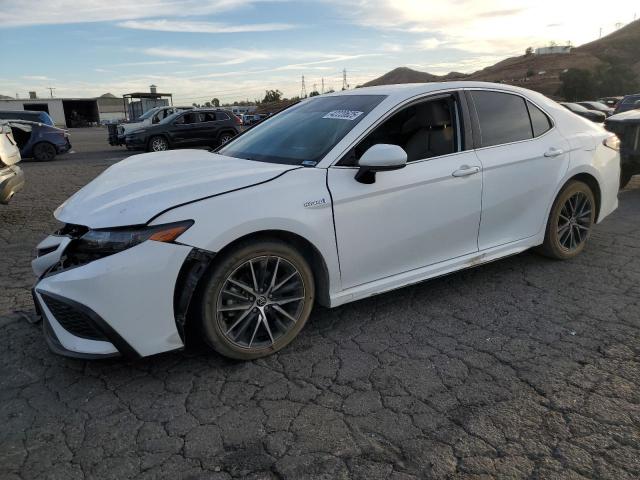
(405,91)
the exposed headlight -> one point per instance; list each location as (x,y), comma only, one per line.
(100,243)
(613,142)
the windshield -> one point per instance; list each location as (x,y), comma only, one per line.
(147,114)
(303,133)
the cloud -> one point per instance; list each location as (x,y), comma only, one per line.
(37,12)
(221,56)
(429,44)
(185,26)
(39,78)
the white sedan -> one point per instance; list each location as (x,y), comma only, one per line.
(335,199)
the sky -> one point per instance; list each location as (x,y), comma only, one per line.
(235,49)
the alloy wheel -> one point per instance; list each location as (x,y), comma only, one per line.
(574,221)
(260,301)
(158,144)
(224,139)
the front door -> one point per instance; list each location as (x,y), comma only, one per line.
(425,213)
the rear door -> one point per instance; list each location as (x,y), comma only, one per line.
(524,157)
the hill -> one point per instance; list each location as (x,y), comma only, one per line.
(540,72)
(6,97)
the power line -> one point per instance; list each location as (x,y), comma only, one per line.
(322,85)
(303,90)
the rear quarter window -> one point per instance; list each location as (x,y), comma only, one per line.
(540,122)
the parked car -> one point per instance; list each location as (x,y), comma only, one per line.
(193,128)
(627,127)
(629,102)
(154,116)
(598,107)
(403,183)
(38,141)
(30,115)
(11,176)
(610,101)
(594,116)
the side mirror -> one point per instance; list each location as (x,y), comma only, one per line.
(380,158)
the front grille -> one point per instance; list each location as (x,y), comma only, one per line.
(73,320)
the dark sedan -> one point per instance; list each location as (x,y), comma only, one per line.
(592,115)
(598,107)
(630,102)
(39,141)
(194,128)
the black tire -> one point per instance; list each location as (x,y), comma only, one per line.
(225,138)
(158,143)
(44,152)
(562,224)
(625,176)
(215,325)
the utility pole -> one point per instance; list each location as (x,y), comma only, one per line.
(303,90)
(345,85)
(51,89)
(322,86)
(600,33)
(315,87)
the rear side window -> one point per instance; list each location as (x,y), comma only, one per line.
(503,118)
(540,123)
(222,116)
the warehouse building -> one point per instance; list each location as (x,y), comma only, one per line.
(76,112)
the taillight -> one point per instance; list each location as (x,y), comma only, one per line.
(613,142)
(238,121)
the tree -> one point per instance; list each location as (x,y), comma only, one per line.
(315,93)
(215,102)
(529,51)
(617,79)
(272,96)
(577,84)
(207,104)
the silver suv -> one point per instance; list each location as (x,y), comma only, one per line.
(11,176)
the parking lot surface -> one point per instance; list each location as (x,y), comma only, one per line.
(523,368)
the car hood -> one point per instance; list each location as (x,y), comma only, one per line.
(136,189)
(130,127)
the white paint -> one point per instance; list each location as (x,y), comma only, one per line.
(414,223)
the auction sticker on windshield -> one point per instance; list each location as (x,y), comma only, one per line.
(343,114)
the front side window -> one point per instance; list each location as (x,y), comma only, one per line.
(304,133)
(424,130)
(503,117)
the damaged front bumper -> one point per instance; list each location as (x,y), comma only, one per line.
(132,303)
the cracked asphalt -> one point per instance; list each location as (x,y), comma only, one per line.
(523,368)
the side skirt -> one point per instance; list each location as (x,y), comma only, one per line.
(432,271)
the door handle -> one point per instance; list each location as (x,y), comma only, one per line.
(465,171)
(553,152)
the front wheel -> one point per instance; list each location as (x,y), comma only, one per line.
(256,300)
(158,144)
(570,222)
(44,152)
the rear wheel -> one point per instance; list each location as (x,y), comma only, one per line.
(44,152)
(224,138)
(256,300)
(570,222)
(158,144)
